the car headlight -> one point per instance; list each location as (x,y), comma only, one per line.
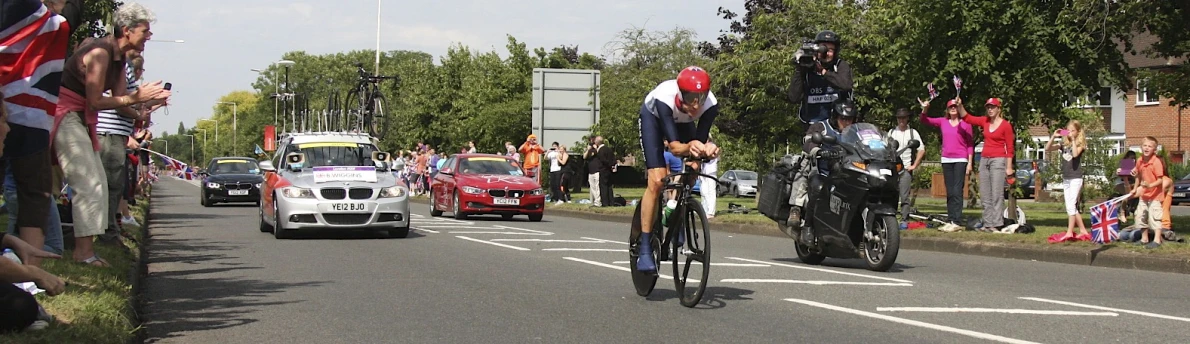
(472,190)
(257,185)
(392,191)
(296,192)
(213,185)
(537,192)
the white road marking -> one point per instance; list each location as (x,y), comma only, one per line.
(425,230)
(789,281)
(822,270)
(1147,314)
(621,268)
(990,310)
(904,321)
(550,240)
(587,249)
(744,265)
(493,243)
(607,241)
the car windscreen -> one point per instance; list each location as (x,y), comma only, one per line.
(233,167)
(746,175)
(336,154)
(490,165)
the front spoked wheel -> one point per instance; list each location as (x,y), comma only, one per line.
(377,121)
(691,273)
(643,281)
(882,242)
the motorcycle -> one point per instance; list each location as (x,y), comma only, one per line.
(852,213)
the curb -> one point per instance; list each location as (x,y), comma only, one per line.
(1099,257)
(140,273)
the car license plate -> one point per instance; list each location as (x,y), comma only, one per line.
(1179,194)
(237,192)
(348,207)
(506,201)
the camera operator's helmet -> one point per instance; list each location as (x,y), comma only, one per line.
(827,36)
(844,108)
(694,84)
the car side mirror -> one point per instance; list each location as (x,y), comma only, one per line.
(267,166)
(914,144)
(294,161)
(446,171)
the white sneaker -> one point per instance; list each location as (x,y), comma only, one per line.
(559,203)
(130,221)
(38,325)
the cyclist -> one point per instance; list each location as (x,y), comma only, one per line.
(669,113)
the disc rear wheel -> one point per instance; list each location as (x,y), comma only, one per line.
(643,281)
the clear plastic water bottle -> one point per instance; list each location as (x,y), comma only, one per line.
(9,254)
(669,209)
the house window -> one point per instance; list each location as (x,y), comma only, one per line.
(1146,95)
(1104,96)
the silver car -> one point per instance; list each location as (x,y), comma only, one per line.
(332,181)
(738,183)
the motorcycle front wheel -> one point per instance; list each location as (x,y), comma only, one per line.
(882,243)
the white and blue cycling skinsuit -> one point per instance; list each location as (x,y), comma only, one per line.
(661,118)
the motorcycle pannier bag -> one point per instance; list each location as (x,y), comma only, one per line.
(773,197)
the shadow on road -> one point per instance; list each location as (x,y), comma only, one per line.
(847,264)
(186,299)
(714,297)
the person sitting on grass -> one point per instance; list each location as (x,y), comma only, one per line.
(18,308)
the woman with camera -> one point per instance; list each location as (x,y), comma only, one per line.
(1072,142)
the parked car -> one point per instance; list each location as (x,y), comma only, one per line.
(231,179)
(475,184)
(739,183)
(332,181)
(1181,190)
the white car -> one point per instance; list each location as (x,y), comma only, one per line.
(335,181)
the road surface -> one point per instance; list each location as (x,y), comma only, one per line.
(214,277)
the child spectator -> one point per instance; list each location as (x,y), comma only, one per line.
(1072,142)
(1149,173)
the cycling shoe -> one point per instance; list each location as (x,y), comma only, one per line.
(644,262)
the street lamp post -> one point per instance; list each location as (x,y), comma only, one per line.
(235,133)
(216,133)
(204,144)
(191,147)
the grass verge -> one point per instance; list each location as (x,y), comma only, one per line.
(1048,218)
(96,307)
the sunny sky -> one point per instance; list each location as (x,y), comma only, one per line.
(225,39)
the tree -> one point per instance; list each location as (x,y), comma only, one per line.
(1169,21)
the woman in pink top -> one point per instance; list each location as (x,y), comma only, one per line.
(958,149)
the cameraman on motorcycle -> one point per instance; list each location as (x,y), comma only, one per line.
(821,79)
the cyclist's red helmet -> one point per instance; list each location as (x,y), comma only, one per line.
(694,84)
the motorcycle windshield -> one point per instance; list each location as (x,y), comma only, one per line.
(867,140)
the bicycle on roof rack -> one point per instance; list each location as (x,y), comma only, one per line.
(363,108)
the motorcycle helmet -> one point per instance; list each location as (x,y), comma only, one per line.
(845,108)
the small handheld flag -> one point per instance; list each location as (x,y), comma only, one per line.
(933,91)
(958,85)
(259,151)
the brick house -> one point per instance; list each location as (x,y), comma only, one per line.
(1130,115)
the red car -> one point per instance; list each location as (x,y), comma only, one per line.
(475,184)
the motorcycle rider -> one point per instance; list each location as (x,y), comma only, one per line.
(844,114)
(817,84)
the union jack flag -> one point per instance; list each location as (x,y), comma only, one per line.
(933,91)
(32,52)
(1105,221)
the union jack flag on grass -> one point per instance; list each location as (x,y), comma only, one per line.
(1105,221)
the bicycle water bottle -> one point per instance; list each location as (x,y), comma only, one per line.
(669,209)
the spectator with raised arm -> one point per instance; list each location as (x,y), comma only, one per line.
(96,67)
(996,160)
(958,155)
(1072,143)
(532,151)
